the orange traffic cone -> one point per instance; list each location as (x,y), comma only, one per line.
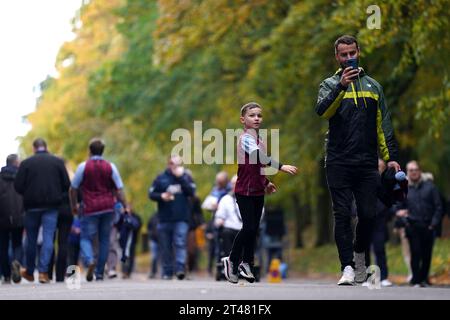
(274,271)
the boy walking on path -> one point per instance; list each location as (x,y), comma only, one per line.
(251,186)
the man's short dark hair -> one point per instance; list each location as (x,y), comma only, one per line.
(345,39)
(12,159)
(39,143)
(96,146)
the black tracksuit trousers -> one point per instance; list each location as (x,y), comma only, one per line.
(251,208)
(346,183)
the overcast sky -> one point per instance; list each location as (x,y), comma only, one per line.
(31,33)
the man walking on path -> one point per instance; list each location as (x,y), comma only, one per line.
(422,210)
(101,185)
(11,221)
(42,180)
(172,190)
(359,122)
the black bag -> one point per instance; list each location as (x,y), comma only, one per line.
(390,190)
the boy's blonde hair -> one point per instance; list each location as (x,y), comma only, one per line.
(249,106)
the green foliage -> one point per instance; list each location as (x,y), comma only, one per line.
(311,260)
(139,69)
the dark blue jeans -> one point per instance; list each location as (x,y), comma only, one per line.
(34,219)
(154,248)
(173,237)
(91,226)
(7,236)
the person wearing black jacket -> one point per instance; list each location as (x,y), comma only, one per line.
(171,190)
(11,221)
(359,124)
(63,227)
(422,210)
(42,180)
(380,234)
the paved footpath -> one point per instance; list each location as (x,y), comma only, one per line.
(139,288)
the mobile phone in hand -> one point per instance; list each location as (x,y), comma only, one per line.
(352,62)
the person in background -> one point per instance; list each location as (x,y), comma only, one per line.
(11,221)
(399,230)
(273,232)
(438,231)
(114,246)
(220,189)
(74,242)
(43,181)
(172,190)
(228,220)
(422,210)
(380,235)
(63,226)
(196,221)
(101,187)
(129,236)
(152,230)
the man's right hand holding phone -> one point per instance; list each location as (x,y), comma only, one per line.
(403,213)
(167,196)
(348,76)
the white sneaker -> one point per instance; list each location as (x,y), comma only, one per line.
(386,283)
(348,277)
(365,284)
(228,270)
(112,274)
(360,267)
(246,272)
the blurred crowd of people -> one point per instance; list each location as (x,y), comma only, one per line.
(416,219)
(52,218)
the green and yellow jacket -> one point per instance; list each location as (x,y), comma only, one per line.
(359,122)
